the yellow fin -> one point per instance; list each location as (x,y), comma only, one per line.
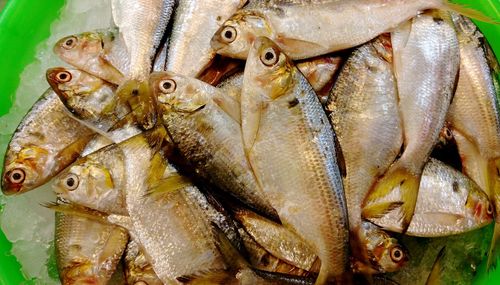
(378,210)
(140,98)
(408,183)
(77,210)
(216,277)
(464,10)
(437,269)
(494,251)
(169,185)
(70,153)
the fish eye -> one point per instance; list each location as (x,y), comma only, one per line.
(71,182)
(269,57)
(489,209)
(167,86)
(228,34)
(63,76)
(70,42)
(397,254)
(16,176)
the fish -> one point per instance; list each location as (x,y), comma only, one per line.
(448,203)
(137,267)
(144,194)
(203,123)
(363,106)
(46,141)
(87,250)
(303,29)
(278,240)
(194,24)
(380,252)
(142,25)
(93,102)
(426,62)
(299,175)
(474,116)
(100,52)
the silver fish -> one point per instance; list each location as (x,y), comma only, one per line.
(426,62)
(195,22)
(46,141)
(87,250)
(291,149)
(208,136)
(364,113)
(448,203)
(304,29)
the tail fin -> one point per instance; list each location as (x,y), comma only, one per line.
(464,10)
(397,176)
(437,269)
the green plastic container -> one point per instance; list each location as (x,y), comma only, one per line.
(26,23)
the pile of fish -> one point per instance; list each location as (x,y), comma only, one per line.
(269,142)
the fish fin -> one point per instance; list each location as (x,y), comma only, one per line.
(169,185)
(408,183)
(494,250)
(140,98)
(70,153)
(121,220)
(229,105)
(127,120)
(464,10)
(296,45)
(157,137)
(250,124)
(378,210)
(437,269)
(76,210)
(215,277)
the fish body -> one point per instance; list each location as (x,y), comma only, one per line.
(426,62)
(448,203)
(92,101)
(290,146)
(195,22)
(87,251)
(304,29)
(137,267)
(46,141)
(364,113)
(101,53)
(208,136)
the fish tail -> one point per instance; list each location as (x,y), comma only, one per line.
(397,176)
(464,10)
(494,251)
(435,276)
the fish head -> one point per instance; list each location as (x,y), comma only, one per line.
(178,93)
(77,49)
(86,96)
(94,181)
(271,72)
(384,253)
(235,37)
(25,168)
(478,208)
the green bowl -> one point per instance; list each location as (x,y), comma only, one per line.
(26,23)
